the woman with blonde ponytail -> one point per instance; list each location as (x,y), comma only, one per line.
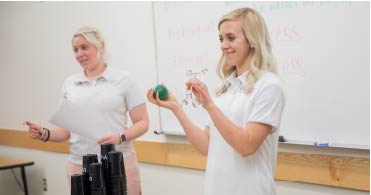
(103,89)
(241,138)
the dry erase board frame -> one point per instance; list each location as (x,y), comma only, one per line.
(322,49)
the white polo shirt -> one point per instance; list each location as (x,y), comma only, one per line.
(113,93)
(229,173)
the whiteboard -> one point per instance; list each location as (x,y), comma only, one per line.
(322,49)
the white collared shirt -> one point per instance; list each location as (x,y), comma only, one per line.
(113,93)
(227,172)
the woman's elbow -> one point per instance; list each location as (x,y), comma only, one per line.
(246,151)
(204,152)
(145,124)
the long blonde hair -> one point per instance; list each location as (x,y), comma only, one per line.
(95,37)
(262,59)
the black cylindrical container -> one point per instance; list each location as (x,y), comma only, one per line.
(97,183)
(77,186)
(107,147)
(116,183)
(104,149)
(86,161)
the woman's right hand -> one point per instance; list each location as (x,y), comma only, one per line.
(170,103)
(34,130)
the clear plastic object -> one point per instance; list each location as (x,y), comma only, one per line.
(190,99)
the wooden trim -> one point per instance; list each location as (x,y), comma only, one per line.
(172,154)
(21,139)
(337,171)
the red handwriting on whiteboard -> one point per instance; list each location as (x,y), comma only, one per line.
(286,33)
(292,66)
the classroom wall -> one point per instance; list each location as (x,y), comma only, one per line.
(30,87)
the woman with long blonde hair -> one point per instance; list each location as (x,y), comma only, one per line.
(241,139)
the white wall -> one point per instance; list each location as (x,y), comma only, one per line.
(36,57)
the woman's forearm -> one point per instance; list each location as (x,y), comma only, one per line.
(245,140)
(59,135)
(197,137)
(234,135)
(137,129)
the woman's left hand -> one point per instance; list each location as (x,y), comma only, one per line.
(114,138)
(201,92)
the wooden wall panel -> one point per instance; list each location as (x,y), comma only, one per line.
(338,171)
(21,139)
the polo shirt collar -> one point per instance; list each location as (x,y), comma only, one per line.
(107,75)
(233,80)
(242,78)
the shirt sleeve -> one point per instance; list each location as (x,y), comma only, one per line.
(268,106)
(133,95)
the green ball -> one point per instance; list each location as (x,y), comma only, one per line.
(162,92)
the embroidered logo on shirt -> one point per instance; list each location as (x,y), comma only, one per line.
(78,83)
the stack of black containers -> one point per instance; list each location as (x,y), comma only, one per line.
(101,178)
